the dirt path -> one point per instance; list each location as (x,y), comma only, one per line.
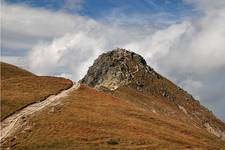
(15,121)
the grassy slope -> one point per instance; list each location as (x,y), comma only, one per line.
(99,120)
(20,88)
(18,92)
(11,71)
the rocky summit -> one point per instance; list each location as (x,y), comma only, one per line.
(117,68)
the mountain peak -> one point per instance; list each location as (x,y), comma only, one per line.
(122,68)
(116,68)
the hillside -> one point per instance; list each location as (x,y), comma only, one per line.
(20,88)
(122,103)
(11,71)
(98,120)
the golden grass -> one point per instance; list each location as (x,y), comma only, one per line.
(17,93)
(20,88)
(89,119)
(11,71)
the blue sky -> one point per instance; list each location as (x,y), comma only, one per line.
(98,9)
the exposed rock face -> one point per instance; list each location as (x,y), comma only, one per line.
(114,69)
(120,67)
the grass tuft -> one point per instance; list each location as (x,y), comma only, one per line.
(113,141)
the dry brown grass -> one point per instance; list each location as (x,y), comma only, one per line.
(89,119)
(20,88)
(17,93)
(11,71)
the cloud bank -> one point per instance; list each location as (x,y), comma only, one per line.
(23,26)
(191,52)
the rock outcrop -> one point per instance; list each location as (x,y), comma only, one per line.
(116,68)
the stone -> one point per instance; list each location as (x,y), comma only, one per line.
(114,69)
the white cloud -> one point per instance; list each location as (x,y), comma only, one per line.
(23,26)
(159,44)
(193,87)
(73,53)
(70,53)
(207,6)
(202,44)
